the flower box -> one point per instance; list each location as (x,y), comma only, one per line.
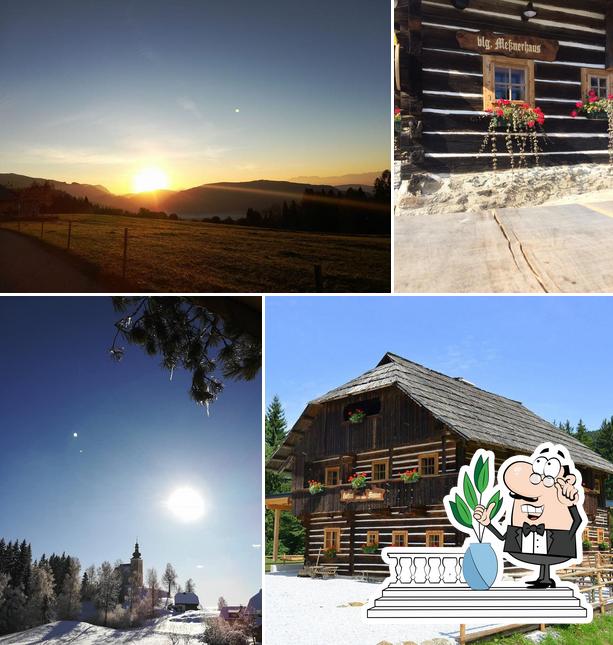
(356,416)
(410,476)
(374,494)
(358,481)
(315,487)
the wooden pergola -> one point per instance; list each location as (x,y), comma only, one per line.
(278,503)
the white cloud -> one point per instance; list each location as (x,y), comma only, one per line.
(189,105)
(256,546)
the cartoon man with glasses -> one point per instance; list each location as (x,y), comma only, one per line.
(547,510)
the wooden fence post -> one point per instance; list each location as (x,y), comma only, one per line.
(125,251)
(319,283)
(69,233)
(462,634)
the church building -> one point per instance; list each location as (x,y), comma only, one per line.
(131,573)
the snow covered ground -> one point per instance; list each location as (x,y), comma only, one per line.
(303,611)
(157,632)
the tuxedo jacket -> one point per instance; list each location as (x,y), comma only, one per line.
(559,543)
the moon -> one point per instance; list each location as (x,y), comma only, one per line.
(75,434)
(186,504)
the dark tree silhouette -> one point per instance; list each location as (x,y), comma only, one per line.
(213,337)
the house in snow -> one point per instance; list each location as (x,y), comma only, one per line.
(186,601)
(398,417)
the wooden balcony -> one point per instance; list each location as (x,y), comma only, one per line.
(393,493)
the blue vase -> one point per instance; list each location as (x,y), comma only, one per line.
(480,566)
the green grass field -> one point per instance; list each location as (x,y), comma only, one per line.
(170,256)
(598,632)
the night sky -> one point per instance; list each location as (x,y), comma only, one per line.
(141,438)
(94,91)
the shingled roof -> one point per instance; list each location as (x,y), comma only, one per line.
(473,413)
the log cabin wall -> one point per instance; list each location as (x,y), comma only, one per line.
(453,120)
(398,435)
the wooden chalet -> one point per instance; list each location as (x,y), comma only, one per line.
(454,57)
(416,418)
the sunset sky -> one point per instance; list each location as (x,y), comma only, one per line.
(96,91)
(139,439)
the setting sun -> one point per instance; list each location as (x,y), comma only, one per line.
(186,504)
(149,179)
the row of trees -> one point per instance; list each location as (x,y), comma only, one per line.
(327,210)
(35,593)
(600,440)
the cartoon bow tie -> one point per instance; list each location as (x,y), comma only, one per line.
(526,529)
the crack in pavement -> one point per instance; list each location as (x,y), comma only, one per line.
(532,269)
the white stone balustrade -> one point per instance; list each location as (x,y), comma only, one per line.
(425,566)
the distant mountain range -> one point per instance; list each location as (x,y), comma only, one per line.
(223,198)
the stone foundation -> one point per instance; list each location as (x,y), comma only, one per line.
(430,194)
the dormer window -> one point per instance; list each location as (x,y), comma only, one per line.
(357,412)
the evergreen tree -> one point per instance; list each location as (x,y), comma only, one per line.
(221,603)
(88,584)
(603,444)
(69,600)
(107,588)
(582,434)
(291,532)
(190,586)
(212,338)
(13,611)
(169,579)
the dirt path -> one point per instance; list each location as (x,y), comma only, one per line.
(26,266)
(564,248)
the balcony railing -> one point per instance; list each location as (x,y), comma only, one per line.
(421,566)
(395,493)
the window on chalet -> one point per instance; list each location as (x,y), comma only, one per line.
(597,485)
(601,81)
(368,408)
(586,535)
(400,538)
(380,469)
(333,476)
(599,536)
(332,539)
(435,538)
(372,538)
(505,78)
(428,464)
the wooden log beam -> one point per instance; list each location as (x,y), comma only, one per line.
(609,28)
(275,543)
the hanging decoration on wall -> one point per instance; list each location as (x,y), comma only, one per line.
(531,517)
(513,45)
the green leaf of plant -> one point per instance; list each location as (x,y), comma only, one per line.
(478,469)
(456,513)
(483,478)
(469,492)
(464,516)
(495,498)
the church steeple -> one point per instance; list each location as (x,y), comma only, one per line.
(136,553)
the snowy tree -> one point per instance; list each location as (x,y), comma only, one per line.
(4,583)
(153,586)
(107,588)
(190,586)
(134,590)
(221,603)
(13,611)
(69,600)
(169,579)
(41,601)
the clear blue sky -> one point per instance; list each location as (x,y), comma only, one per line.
(554,354)
(93,91)
(141,437)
